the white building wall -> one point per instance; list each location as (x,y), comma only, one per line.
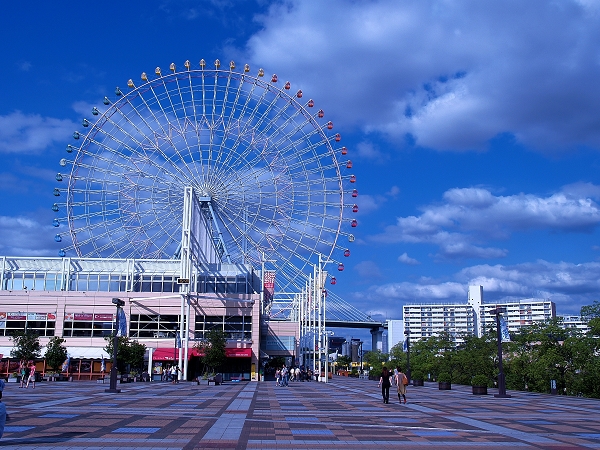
(395,332)
(570,322)
(474,317)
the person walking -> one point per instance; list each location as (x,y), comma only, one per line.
(384,383)
(401,383)
(22,373)
(175,374)
(31,378)
(284,376)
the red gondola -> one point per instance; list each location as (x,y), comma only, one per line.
(274,79)
(329,125)
(355,209)
(287,85)
(321,114)
(341,267)
(349,165)
(352,179)
(354,223)
(311,103)
(355,193)
(347,253)
(333,280)
(344,151)
(338,137)
(299,94)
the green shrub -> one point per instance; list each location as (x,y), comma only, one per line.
(479,380)
(416,375)
(444,377)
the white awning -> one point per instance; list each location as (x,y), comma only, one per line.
(86,353)
(73,352)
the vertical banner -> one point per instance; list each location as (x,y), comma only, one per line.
(269,285)
(504,330)
(178,339)
(122,331)
(65,365)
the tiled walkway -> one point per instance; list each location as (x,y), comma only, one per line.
(343,414)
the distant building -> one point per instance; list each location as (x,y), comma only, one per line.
(395,334)
(474,317)
(336,344)
(570,322)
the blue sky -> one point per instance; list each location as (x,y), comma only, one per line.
(474,127)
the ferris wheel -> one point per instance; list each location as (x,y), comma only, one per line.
(263,157)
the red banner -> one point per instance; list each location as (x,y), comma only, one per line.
(170,354)
(269,285)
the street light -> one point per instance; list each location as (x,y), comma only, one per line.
(501,379)
(113,370)
(407,334)
(177,345)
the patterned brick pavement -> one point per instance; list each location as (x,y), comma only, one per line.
(343,414)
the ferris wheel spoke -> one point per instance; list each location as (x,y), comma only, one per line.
(249,122)
(142,157)
(227,122)
(152,140)
(266,164)
(175,79)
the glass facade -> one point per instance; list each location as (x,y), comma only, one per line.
(234,327)
(88,325)
(153,325)
(43,324)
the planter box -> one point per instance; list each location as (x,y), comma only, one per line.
(445,385)
(479,390)
(417,382)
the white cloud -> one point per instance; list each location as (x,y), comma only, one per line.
(31,132)
(451,74)
(25,66)
(471,216)
(368,150)
(405,259)
(569,285)
(23,236)
(368,270)
(393,192)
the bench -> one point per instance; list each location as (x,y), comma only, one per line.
(217,379)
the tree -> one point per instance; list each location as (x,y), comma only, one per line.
(214,350)
(56,352)
(474,356)
(136,354)
(591,314)
(344,361)
(26,345)
(398,356)
(129,352)
(375,360)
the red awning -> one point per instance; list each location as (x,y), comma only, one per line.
(171,354)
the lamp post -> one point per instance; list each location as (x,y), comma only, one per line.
(361,356)
(177,345)
(407,334)
(113,370)
(501,380)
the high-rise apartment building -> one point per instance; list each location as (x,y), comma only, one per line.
(474,317)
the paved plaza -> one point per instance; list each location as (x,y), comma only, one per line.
(346,413)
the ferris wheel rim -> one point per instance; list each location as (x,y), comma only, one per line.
(293,224)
